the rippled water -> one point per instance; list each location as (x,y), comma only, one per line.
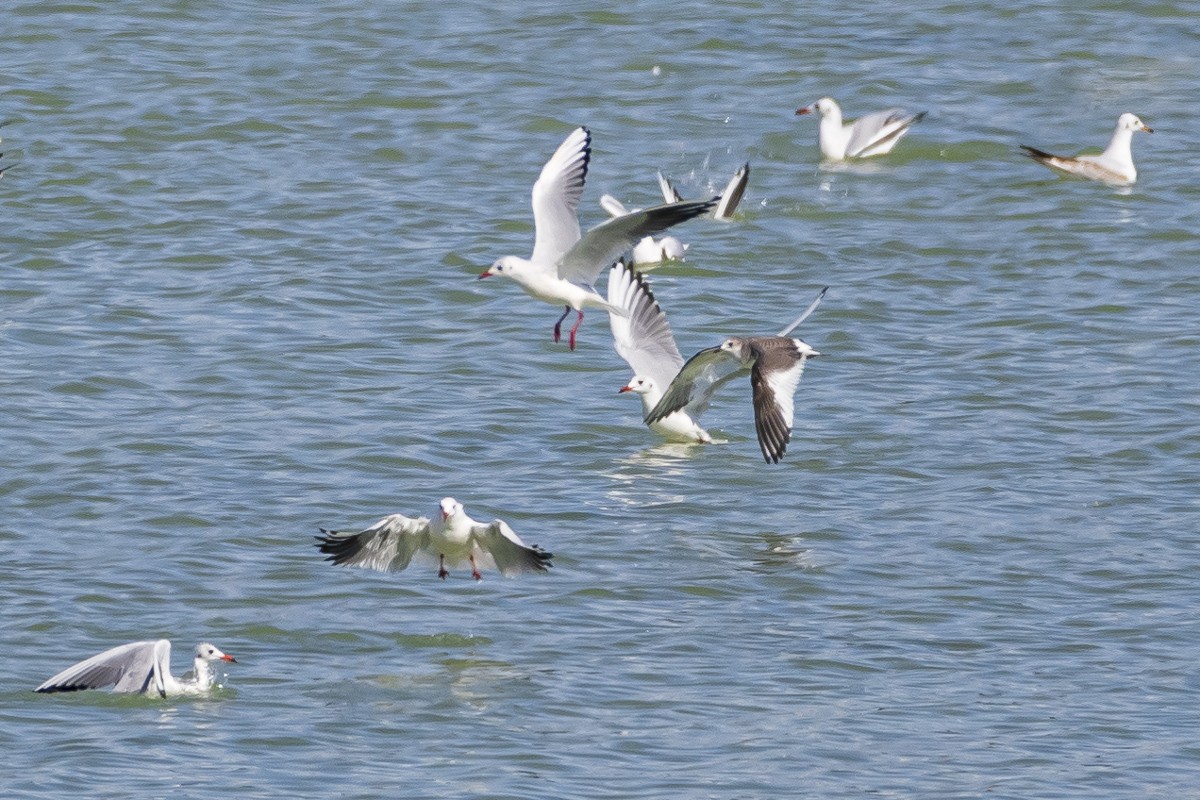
(239,251)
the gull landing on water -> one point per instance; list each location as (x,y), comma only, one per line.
(390,544)
(139,668)
(872,135)
(564,264)
(730,198)
(1114,165)
(775,364)
(643,338)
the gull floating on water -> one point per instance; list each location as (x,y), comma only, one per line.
(775,364)
(390,544)
(872,135)
(139,668)
(564,265)
(1114,165)
(649,251)
(643,338)
(730,198)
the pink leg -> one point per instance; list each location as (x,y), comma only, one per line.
(578,322)
(474,569)
(442,566)
(558,325)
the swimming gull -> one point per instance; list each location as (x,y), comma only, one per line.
(139,668)
(872,135)
(390,544)
(1114,165)
(564,265)
(648,252)
(642,336)
(775,364)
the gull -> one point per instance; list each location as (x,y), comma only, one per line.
(139,668)
(564,265)
(643,338)
(872,135)
(775,364)
(730,198)
(1114,165)
(390,544)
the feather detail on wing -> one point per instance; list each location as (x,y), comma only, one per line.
(643,336)
(603,244)
(506,550)
(694,385)
(556,196)
(133,667)
(386,546)
(791,326)
(669,192)
(774,378)
(732,196)
(877,133)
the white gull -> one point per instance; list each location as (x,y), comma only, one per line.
(1114,165)
(139,668)
(643,338)
(564,264)
(872,135)
(730,198)
(390,544)
(775,364)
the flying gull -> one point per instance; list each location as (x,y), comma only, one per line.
(775,364)
(564,265)
(390,544)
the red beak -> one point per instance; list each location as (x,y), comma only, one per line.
(229,658)
(625,389)
(484,274)
(805,110)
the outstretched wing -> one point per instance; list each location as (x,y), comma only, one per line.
(603,244)
(811,308)
(776,374)
(556,197)
(669,192)
(642,336)
(612,206)
(878,133)
(506,550)
(702,375)
(386,546)
(732,196)
(134,668)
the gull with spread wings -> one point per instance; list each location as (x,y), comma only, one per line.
(139,668)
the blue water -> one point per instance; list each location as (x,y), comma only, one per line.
(239,302)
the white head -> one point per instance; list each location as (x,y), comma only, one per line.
(449,507)
(1130,122)
(672,249)
(507,266)
(825,106)
(638,385)
(209,652)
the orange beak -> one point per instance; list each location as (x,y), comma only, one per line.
(229,658)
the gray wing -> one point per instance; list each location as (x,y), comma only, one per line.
(774,378)
(643,336)
(878,132)
(506,550)
(556,195)
(732,196)
(669,192)
(603,244)
(132,668)
(386,546)
(702,375)
(811,308)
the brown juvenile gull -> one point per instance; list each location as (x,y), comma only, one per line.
(139,668)
(775,364)
(390,544)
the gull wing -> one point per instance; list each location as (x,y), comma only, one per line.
(643,336)
(732,196)
(603,244)
(506,550)
(773,379)
(669,192)
(811,308)
(702,375)
(613,206)
(386,546)
(131,668)
(556,197)
(878,133)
